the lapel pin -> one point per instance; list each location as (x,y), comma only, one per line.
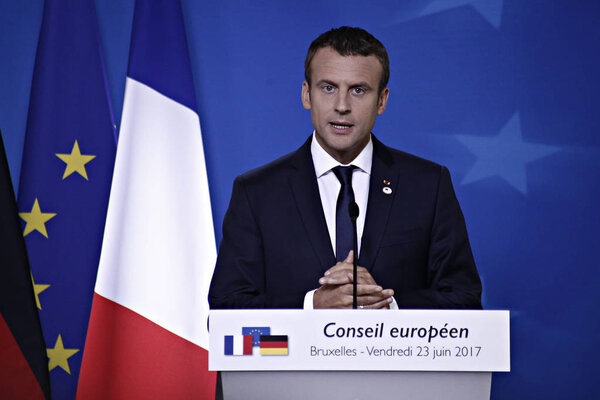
(386,182)
(387,190)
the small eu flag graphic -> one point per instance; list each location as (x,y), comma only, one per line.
(274,345)
(256,332)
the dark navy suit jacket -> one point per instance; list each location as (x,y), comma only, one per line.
(276,244)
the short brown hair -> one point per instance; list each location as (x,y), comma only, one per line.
(348,41)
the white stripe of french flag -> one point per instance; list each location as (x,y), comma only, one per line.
(147,336)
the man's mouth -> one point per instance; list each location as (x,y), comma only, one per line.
(341,125)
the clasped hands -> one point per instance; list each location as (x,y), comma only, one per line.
(336,288)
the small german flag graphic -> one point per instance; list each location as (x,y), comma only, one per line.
(274,345)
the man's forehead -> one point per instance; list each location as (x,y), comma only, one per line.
(328,64)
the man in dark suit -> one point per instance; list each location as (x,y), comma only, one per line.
(285,237)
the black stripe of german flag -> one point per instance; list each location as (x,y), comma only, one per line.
(273,338)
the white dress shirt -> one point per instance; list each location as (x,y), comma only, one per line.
(329,189)
(329,185)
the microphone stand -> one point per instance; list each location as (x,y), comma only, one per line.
(353,211)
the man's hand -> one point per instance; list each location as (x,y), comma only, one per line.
(336,289)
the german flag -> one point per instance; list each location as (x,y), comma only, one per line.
(274,345)
(23,358)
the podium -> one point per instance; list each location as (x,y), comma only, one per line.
(358,354)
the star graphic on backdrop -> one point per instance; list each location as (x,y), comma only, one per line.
(491,10)
(75,161)
(36,219)
(59,356)
(37,289)
(505,155)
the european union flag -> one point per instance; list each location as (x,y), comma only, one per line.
(256,332)
(65,180)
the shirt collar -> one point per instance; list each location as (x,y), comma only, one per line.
(323,162)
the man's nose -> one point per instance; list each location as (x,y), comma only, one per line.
(342,104)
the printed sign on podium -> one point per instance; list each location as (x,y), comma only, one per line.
(359,340)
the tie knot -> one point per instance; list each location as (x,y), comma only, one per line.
(344,174)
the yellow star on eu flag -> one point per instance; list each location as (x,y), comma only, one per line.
(36,219)
(37,289)
(75,161)
(59,356)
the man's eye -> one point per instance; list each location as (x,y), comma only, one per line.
(328,88)
(358,90)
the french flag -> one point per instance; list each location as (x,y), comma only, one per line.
(147,336)
(238,345)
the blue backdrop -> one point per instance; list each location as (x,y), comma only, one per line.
(503,92)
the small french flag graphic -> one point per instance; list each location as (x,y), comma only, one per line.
(238,345)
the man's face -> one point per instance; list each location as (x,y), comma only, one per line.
(343,100)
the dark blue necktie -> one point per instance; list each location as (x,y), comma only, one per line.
(344,236)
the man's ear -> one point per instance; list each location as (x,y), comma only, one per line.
(306,95)
(382,102)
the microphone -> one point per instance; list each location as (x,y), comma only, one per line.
(353,212)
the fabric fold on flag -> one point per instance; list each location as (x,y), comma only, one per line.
(148,333)
(23,362)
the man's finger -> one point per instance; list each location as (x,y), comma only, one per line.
(346,263)
(373,298)
(364,277)
(361,290)
(382,303)
(340,275)
(336,278)
(333,296)
(350,257)
(344,266)
(364,290)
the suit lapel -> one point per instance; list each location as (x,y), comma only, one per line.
(304,186)
(379,203)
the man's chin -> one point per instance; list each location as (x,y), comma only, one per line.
(344,154)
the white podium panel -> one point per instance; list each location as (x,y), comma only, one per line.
(359,340)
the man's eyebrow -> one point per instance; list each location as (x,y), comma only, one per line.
(327,81)
(364,84)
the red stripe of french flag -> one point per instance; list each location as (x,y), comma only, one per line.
(248,344)
(142,360)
